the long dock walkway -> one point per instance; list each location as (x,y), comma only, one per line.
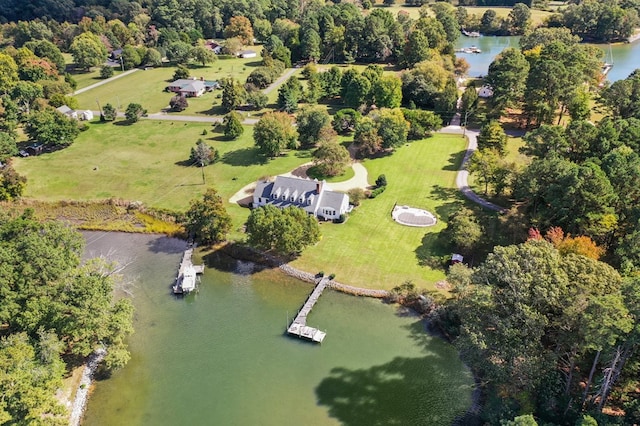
(299,325)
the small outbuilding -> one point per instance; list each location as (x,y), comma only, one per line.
(68,111)
(247,54)
(86,115)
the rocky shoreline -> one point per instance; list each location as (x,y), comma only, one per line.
(82,395)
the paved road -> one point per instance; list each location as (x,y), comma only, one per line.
(105,81)
(462,178)
(279,81)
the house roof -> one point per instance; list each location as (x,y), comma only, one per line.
(64,109)
(305,189)
(247,52)
(193,86)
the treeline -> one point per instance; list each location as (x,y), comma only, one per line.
(55,311)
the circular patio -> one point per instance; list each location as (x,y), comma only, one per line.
(411,216)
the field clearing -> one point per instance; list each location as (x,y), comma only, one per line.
(147,87)
(370,249)
(148,162)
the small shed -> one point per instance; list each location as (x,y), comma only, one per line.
(86,115)
(485,92)
(456,258)
(248,54)
(35,149)
(68,111)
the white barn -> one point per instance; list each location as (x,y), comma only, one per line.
(313,196)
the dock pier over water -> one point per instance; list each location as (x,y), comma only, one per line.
(299,325)
(186,279)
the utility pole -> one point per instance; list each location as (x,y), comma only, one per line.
(121,63)
(464,126)
(202,167)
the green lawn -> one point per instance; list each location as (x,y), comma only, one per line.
(370,249)
(147,87)
(146,162)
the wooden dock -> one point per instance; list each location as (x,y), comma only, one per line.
(186,279)
(299,325)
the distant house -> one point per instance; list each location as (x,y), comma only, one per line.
(213,46)
(313,196)
(68,111)
(192,88)
(115,54)
(485,92)
(247,54)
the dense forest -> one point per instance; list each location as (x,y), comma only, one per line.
(548,316)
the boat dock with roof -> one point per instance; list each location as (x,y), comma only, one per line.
(299,325)
(186,281)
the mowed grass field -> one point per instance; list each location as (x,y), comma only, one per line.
(146,87)
(370,249)
(147,161)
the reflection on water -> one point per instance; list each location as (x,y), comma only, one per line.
(221,357)
(626,56)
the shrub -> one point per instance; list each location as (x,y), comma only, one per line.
(106,71)
(356,195)
(341,219)
(381,181)
(332,276)
(321,274)
(377,191)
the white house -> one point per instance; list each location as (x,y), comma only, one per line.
(86,115)
(313,196)
(485,92)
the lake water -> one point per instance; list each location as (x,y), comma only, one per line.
(626,56)
(219,357)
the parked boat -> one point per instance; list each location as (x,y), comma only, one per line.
(471,33)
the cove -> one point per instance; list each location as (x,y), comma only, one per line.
(221,357)
(623,55)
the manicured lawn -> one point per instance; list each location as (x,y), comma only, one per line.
(147,87)
(83,78)
(147,161)
(370,249)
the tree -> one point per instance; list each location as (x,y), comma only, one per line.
(134,112)
(233,94)
(239,27)
(208,220)
(203,154)
(179,52)
(106,71)
(48,50)
(289,95)
(203,55)
(178,103)
(356,89)
(109,113)
(492,136)
(421,123)
(519,19)
(181,73)
(392,127)
(286,231)
(387,92)
(8,147)
(51,127)
(507,77)
(8,72)
(130,57)
(469,99)
(310,122)
(232,124)
(257,99)
(416,49)
(88,51)
(310,44)
(345,120)
(366,138)
(25,94)
(12,184)
(483,165)
(331,158)
(274,132)
(152,58)
(464,231)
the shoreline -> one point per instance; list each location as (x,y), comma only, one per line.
(79,404)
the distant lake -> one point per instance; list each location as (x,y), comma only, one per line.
(626,56)
(219,357)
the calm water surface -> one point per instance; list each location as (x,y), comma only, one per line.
(219,357)
(626,56)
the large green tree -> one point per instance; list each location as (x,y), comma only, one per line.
(88,51)
(286,231)
(207,220)
(51,127)
(310,122)
(274,132)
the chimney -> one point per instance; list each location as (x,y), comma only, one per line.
(319,186)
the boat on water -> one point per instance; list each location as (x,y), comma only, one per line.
(187,279)
(472,49)
(471,33)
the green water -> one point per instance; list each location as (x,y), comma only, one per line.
(624,56)
(219,357)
